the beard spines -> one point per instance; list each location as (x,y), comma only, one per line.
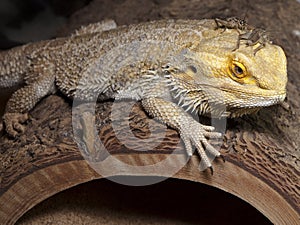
(190,98)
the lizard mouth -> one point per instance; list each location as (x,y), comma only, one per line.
(244,97)
(255,98)
(239,107)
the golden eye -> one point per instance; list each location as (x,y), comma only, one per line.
(238,69)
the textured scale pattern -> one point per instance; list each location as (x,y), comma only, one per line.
(172,67)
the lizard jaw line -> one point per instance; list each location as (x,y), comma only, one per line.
(263,102)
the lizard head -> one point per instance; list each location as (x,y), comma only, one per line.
(240,80)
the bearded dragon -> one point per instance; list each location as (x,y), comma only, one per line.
(171,66)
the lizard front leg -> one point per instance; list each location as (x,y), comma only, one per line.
(191,131)
(24,100)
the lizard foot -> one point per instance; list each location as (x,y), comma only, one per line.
(12,122)
(194,133)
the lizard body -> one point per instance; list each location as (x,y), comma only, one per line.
(170,66)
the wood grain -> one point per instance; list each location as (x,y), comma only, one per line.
(260,168)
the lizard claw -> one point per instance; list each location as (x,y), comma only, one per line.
(13,122)
(223,158)
(211,170)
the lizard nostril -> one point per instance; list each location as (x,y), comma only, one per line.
(192,68)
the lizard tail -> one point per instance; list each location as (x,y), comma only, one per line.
(13,67)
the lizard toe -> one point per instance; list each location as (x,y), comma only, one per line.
(212,150)
(188,146)
(18,127)
(13,122)
(212,134)
(207,128)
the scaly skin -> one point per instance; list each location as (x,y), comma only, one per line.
(170,66)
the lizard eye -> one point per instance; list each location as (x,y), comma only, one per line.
(238,70)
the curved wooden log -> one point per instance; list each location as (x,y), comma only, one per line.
(262,167)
